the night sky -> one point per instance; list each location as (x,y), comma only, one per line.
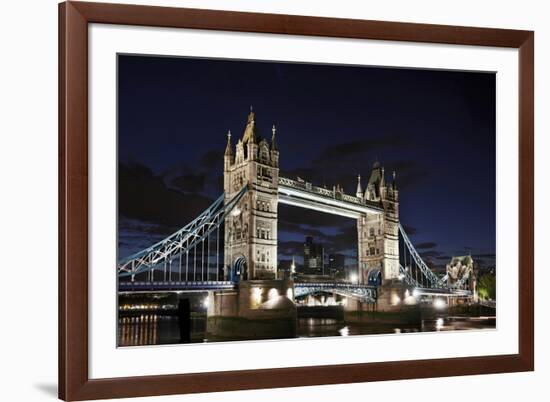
(436,129)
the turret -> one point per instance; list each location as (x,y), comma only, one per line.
(228,155)
(376,181)
(274,149)
(359,192)
(249,136)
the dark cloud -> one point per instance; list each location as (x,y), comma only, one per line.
(410,230)
(345,150)
(488,255)
(285,226)
(430,254)
(146,197)
(425,245)
(290,247)
(212,160)
(189,182)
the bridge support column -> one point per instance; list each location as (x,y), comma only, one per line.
(258,309)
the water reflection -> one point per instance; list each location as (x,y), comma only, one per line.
(155,329)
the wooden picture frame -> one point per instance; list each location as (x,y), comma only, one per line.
(74,381)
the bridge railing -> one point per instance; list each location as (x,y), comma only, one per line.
(307,186)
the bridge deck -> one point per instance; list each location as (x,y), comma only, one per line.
(199,286)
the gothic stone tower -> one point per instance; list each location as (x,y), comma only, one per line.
(251,228)
(378,234)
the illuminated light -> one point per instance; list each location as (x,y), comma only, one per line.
(236,211)
(395,299)
(344,302)
(344,331)
(416,293)
(205,302)
(397,330)
(439,304)
(407,293)
(354,278)
(400,277)
(290,293)
(256,296)
(273,293)
(439,324)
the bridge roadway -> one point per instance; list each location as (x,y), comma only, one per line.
(364,292)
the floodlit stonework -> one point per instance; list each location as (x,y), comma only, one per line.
(378,234)
(251,229)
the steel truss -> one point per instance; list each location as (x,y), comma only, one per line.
(361,292)
(182,243)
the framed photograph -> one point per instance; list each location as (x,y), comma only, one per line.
(259,200)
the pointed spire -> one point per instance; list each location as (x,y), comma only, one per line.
(250,129)
(228,147)
(273,142)
(394,183)
(359,192)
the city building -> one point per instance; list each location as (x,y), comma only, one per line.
(314,257)
(336,265)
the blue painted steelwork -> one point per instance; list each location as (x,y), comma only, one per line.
(142,286)
(180,242)
(409,280)
(361,292)
(432,280)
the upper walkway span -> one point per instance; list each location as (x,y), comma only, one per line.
(305,195)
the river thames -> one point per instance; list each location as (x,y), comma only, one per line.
(157,329)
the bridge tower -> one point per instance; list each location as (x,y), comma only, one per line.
(378,234)
(251,229)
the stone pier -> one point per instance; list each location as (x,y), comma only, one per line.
(258,309)
(394,303)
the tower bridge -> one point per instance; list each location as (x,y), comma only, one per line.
(232,245)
